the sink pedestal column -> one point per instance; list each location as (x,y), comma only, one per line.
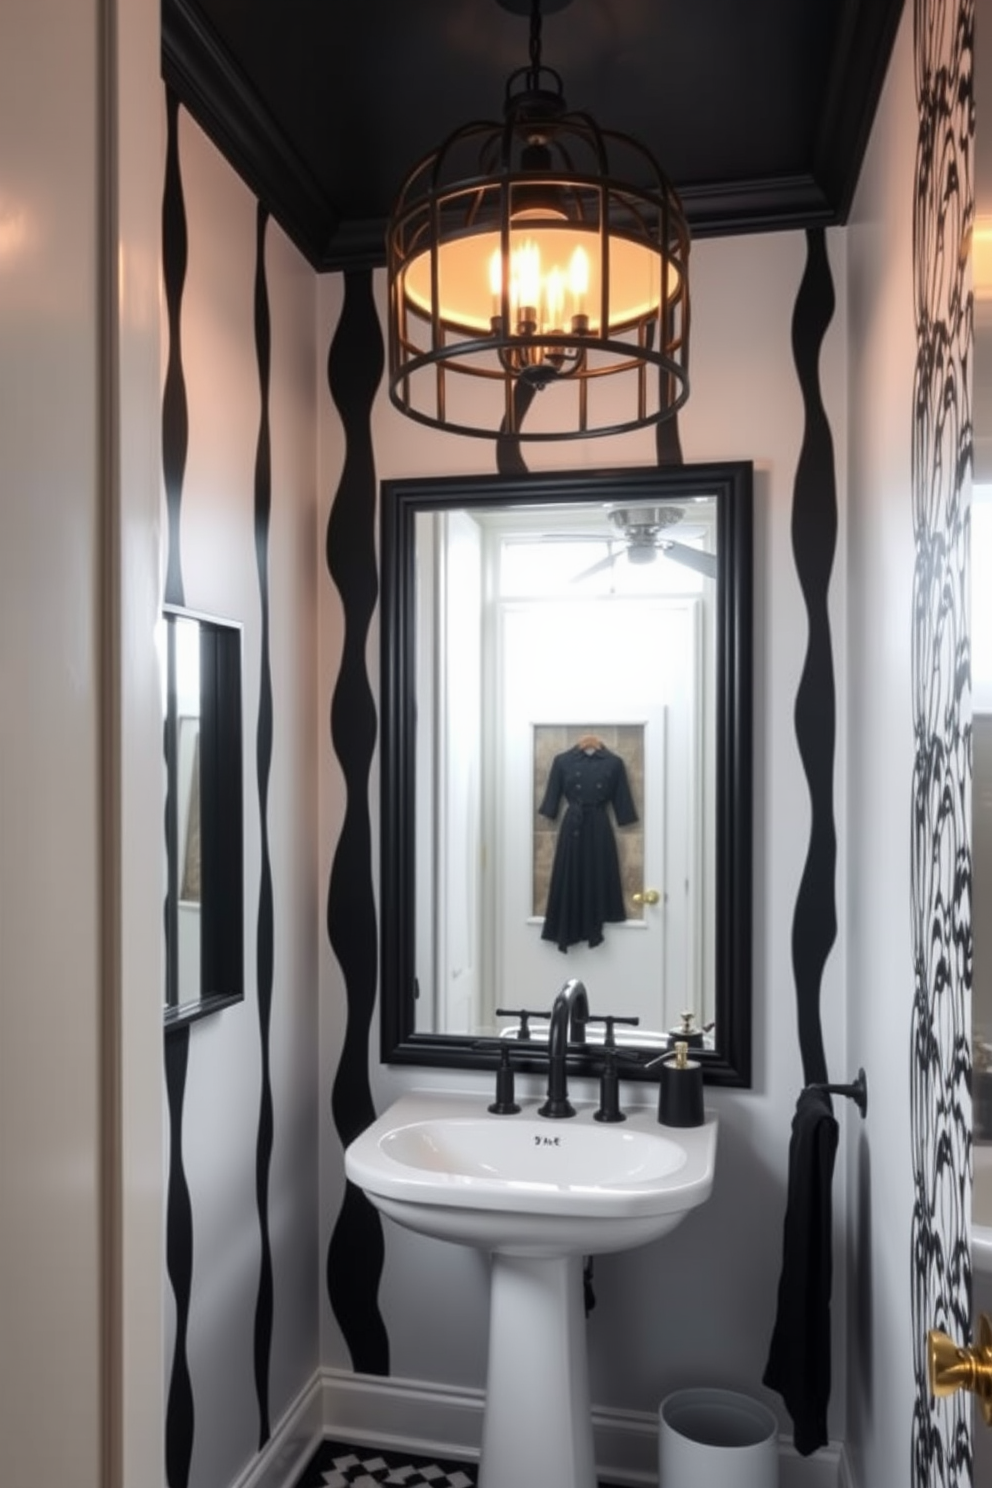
(538,1423)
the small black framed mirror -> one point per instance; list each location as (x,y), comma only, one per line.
(524,619)
(204,834)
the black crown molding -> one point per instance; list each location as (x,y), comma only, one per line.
(865,37)
(756,206)
(218,95)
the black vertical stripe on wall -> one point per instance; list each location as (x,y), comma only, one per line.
(179,1267)
(814,541)
(179,1416)
(667,440)
(509,456)
(175,422)
(355,1253)
(668,445)
(940,844)
(263,763)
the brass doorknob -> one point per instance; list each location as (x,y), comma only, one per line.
(646,896)
(952,1368)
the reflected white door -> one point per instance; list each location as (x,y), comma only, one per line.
(455,818)
(619,661)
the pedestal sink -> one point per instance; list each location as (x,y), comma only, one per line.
(539,1195)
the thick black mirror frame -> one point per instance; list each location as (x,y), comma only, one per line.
(730,483)
(221,820)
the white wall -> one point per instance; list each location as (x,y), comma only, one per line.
(982,1434)
(694,1308)
(880,554)
(80,898)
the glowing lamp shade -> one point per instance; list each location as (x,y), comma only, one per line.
(542,255)
(556,271)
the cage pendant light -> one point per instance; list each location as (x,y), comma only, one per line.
(542,255)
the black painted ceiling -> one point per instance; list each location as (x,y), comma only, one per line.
(758,110)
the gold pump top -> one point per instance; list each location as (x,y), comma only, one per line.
(681,1056)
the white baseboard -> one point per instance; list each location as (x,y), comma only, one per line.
(822,1470)
(392,1412)
(846,1477)
(291,1444)
(447,1421)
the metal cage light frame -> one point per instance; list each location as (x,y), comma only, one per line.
(470,307)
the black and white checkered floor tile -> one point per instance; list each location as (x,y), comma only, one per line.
(339,1465)
(343,1465)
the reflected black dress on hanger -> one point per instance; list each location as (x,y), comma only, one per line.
(585,890)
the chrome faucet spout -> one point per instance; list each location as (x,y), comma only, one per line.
(569,1016)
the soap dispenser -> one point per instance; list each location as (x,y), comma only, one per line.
(686,1032)
(680,1097)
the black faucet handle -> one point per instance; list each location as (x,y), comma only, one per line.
(609,1089)
(525,1015)
(498,1043)
(611,1020)
(505,1103)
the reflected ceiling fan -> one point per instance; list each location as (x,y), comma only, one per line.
(642,536)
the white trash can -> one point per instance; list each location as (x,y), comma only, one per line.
(716,1439)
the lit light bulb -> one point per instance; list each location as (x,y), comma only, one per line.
(555,299)
(496,280)
(543,299)
(527,275)
(578,279)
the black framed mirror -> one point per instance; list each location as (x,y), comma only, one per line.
(538,631)
(204,908)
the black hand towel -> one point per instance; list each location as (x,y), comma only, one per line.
(799,1356)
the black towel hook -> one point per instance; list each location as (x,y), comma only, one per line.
(856,1091)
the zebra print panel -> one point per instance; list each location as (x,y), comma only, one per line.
(940,1054)
(264,940)
(814,541)
(179,1416)
(356,1251)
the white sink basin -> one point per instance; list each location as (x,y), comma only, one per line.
(539,1195)
(443,1165)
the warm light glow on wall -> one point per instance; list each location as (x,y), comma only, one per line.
(981,258)
(15,230)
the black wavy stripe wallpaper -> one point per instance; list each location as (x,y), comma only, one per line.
(940,1051)
(265,934)
(175,417)
(356,1250)
(241,1230)
(814,543)
(180,1414)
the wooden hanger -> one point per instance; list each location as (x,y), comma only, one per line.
(589,741)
